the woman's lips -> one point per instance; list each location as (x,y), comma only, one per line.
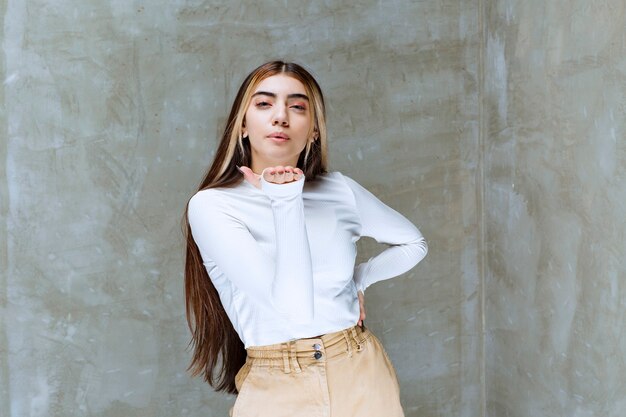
(279,138)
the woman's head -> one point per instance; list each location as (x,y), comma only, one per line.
(278,123)
(245,139)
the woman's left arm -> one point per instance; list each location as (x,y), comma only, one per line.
(379,221)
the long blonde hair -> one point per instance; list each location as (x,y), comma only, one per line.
(212,333)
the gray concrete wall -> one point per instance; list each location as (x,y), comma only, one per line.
(496,126)
(555,199)
(111,111)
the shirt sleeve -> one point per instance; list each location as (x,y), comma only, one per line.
(407,246)
(284,284)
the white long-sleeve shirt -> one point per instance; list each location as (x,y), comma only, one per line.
(282,257)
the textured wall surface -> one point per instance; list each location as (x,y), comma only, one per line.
(111,111)
(555,199)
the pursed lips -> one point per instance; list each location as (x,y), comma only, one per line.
(279,136)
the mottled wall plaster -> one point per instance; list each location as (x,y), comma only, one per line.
(112,109)
(555,199)
(4,367)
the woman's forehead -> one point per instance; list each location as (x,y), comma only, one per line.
(281,83)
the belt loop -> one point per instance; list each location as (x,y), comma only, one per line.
(294,358)
(285,351)
(359,345)
(345,335)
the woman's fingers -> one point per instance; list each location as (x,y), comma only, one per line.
(279,178)
(250,176)
(269,174)
(282,174)
(297,174)
(277,175)
(288,174)
(361,307)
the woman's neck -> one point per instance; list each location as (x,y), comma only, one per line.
(258,167)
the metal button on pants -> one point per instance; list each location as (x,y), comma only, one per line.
(340,374)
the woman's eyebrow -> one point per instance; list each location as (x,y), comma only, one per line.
(294,95)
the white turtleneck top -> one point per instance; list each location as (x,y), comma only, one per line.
(282,258)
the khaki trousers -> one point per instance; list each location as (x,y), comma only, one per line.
(341,374)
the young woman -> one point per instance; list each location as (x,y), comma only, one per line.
(270,276)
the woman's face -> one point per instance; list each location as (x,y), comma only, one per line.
(277,122)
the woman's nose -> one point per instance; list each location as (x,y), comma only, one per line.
(280,117)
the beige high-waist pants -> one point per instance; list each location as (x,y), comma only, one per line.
(342,374)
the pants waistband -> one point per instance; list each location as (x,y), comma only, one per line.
(294,354)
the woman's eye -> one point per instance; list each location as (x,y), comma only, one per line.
(298,107)
(262,104)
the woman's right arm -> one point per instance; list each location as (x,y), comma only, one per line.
(285,283)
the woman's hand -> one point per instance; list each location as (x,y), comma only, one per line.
(277,175)
(362,307)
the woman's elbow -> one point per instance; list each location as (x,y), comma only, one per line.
(420,249)
(424,246)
